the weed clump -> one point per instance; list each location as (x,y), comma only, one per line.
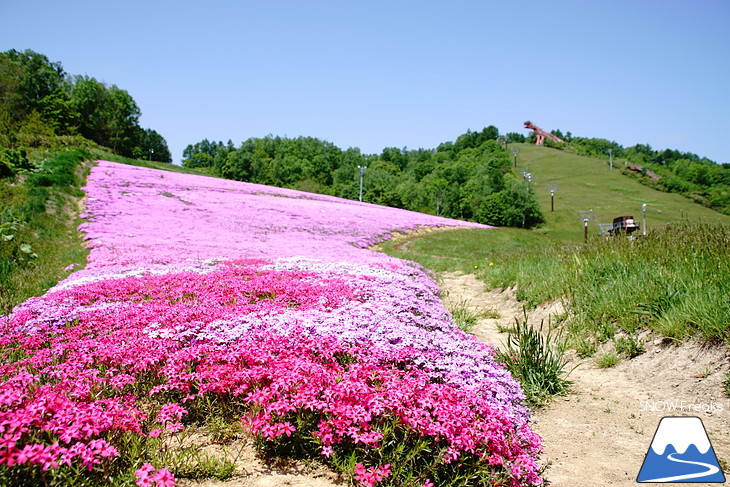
(536,360)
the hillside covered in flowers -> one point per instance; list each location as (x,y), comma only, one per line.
(212,298)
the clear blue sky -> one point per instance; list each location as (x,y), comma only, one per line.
(374,74)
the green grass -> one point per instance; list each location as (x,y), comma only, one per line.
(464,317)
(629,346)
(675,281)
(608,360)
(535,358)
(38,223)
(466,250)
(585,183)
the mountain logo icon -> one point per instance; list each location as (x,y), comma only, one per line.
(681,452)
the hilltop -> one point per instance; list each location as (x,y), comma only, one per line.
(587,183)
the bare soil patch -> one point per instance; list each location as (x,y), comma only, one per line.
(600,432)
(252,471)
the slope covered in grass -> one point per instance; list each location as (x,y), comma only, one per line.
(674,281)
(208,301)
(587,183)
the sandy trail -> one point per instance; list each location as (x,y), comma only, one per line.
(600,432)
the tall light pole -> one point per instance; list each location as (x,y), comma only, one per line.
(610,158)
(362,173)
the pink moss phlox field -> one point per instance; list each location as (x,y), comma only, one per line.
(200,288)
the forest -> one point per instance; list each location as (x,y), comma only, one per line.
(41,105)
(470,178)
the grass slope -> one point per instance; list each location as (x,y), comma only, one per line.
(674,282)
(586,183)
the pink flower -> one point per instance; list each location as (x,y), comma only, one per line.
(155,433)
(164,478)
(143,475)
(285,312)
(171,412)
(370,477)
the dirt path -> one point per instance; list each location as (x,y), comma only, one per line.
(600,433)
(252,472)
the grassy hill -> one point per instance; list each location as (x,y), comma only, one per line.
(586,183)
(674,282)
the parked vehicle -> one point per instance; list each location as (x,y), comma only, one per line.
(624,224)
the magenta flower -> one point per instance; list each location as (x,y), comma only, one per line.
(200,289)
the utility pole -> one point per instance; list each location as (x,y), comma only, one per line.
(610,158)
(362,173)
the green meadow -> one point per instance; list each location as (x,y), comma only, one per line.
(675,281)
(586,183)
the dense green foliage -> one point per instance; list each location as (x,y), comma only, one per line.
(469,179)
(700,179)
(39,102)
(38,220)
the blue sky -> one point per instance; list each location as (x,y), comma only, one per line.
(374,74)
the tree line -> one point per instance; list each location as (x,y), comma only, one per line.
(469,178)
(39,101)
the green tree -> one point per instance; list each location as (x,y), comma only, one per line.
(88,98)
(108,116)
(199,160)
(514,206)
(33,95)
(153,146)
(35,80)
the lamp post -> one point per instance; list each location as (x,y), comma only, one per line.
(585,216)
(514,153)
(643,217)
(527,175)
(362,173)
(552,188)
(152,151)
